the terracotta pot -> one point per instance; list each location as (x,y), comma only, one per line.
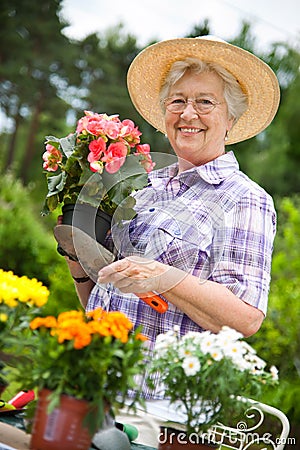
(62,429)
(171,439)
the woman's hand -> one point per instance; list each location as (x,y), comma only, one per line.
(139,275)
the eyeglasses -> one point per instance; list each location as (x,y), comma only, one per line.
(202,105)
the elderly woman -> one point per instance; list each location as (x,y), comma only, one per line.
(203,235)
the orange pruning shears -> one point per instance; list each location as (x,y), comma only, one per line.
(155,301)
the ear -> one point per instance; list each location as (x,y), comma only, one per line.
(230,123)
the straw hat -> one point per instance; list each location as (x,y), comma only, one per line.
(148,71)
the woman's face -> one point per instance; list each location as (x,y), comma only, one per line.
(198,138)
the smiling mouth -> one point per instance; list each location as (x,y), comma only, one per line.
(190,130)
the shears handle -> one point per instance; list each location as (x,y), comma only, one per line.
(22,398)
(155,301)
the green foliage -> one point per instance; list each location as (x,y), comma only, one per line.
(28,248)
(278,340)
(280,141)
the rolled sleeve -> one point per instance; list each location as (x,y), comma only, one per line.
(245,265)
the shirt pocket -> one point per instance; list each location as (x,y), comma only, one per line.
(185,247)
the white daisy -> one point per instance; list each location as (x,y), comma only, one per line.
(191,365)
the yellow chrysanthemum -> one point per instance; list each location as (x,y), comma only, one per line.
(15,290)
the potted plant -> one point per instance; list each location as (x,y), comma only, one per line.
(96,168)
(203,374)
(101,144)
(20,298)
(82,365)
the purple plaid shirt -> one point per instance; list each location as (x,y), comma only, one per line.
(211,221)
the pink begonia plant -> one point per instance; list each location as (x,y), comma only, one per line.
(101,144)
(52,158)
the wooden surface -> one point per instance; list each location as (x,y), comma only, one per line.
(13,434)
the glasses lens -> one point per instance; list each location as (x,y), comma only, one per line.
(203,106)
(178,105)
(175,104)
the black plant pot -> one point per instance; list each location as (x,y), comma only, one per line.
(92,221)
(89,227)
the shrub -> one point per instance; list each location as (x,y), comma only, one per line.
(28,247)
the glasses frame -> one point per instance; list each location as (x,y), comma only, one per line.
(192,102)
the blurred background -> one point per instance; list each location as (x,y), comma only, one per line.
(59,58)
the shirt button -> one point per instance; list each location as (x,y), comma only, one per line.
(151,209)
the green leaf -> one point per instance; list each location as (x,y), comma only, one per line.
(121,190)
(131,168)
(52,203)
(126,210)
(72,166)
(139,182)
(56,183)
(46,209)
(52,140)
(85,176)
(67,144)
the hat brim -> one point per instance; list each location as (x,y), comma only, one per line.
(148,71)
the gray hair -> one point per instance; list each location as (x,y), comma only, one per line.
(234,96)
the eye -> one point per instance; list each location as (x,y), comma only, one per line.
(204,102)
(176,101)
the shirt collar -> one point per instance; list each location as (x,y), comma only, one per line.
(213,172)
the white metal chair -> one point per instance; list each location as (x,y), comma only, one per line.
(243,436)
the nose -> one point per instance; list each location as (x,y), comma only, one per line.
(189,112)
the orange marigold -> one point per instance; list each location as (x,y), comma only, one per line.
(73,329)
(96,314)
(48,322)
(141,337)
(70,315)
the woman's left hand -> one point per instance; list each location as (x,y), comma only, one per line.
(137,275)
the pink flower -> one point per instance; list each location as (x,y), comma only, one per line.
(115,156)
(96,166)
(143,149)
(97,148)
(95,126)
(82,124)
(52,157)
(130,132)
(147,163)
(92,123)
(112,129)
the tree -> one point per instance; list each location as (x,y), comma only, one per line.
(201,29)
(281,327)
(271,157)
(105,61)
(36,58)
